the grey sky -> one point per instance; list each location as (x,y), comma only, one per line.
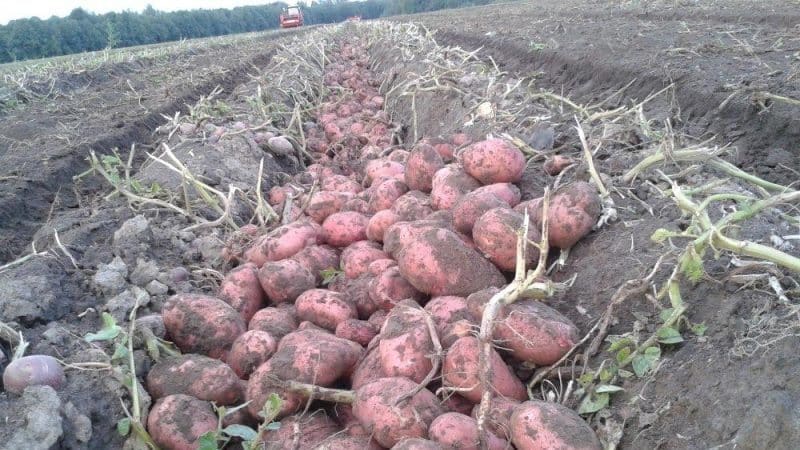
(18,9)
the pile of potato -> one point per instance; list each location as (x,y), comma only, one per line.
(432,226)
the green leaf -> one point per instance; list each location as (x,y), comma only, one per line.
(124,426)
(272,426)
(665,314)
(329,275)
(623,354)
(692,265)
(607,388)
(120,352)
(619,343)
(699,329)
(271,408)
(669,335)
(593,403)
(109,331)
(661,235)
(208,441)
(624,373)
(586,379)
(643,363)
(240,431)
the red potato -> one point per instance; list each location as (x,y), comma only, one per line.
(356,290)
(399,155)
(325,203)
(390,287)
(379,266)
(342,413)
(283,242)
(506,192)
(358,205)
(381,169)
(456,330)
(437,262)
(471,206)
(376,407)
(368,369)
(177,422)
(324,308)
(573,212)
(417,444)
(277,195)
(423,162)
(405,343)
(300,432)
(554,164)
(250,350)
(346,442)
(447,309)
(284,281)
(199,376)
(344,228)
(534,332)
(379,223)
(458,404)
(378,318)
(446,151)
(340,183)
(494,161)
(398,234)
(357,257)
(278,322)
(359,331)
(240,289)
(385,194)
(413,205)
(499,416)
(495,234)
(33,370)
(459,431)
(461,370)
(185,314)
(317,259)
(307,356)
(536,425)
(460,139)
(444,217)
(449,184)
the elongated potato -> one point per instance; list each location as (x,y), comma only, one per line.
(344,228)
(423,162)
(220,324)
(278,322)
(494,161)
(325,308)
(240,289)
(405,343)
(176,422)
(250,350)
(284,242)
(536,425)
(357,257)
(459,431)
(199,376)
(495,234)
(285,280)
(461,370)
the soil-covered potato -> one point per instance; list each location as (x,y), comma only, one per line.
(449,184)
(494,161)
(359,331)
(176,422)
(357,257)
(413,205)
(458,431)
(325,308)
(240,289)
(251,350)
(199,376)
(499,416)
(344,228)
(423,162)
(506,192)
(536,425)
(202,324)
(384,195)
(285,280)
(417,444)
(534,332)
(379,223)
(284,242)
(317,259)
(495,234)
(461,370)
(324,203)
(33,370)
(278,322)
(347,442)
(367,369)
(301,432)
(405,343)
(390,287)
(471,206)
(447,309)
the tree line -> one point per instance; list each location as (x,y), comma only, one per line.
(82,31)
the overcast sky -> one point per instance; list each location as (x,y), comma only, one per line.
(18,9)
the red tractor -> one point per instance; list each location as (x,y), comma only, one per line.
(291,17)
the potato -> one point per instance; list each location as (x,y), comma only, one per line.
(449,184)
(376,407)
(199,376)
(447,309)
(357,257)
(240,289)
(405,343)
(344,228)
(494,161)
(385,194)
(307,356)
(33,370)
(379,223)
(573,212)
(324,308)
(202,324)
(458,404)
(390,287)
(176,422)
(534,332)
(277,195)
(554,164)
(398,155)
(251,350)
(340,183)
(278,322)
(368,369)
(471,206)
(413,205)
(317,259)
(454,331)
(499,416)
(417,444)
(506,192)
(284,281)
(461,369)
(284,242)
(345,442)
(300,432)
(423,162)
(536,424)
(381,169)
(495,234)
(437,262)
(459,431)
(358,205)
(356,290)
(460,139)
(379,266)
(324,203)
(359,331)
(378,318)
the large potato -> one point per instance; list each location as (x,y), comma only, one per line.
(423,162)
(405,343)
(240,289)
(534,332)
(458,431)
(176,422)
(199,376)
(494,161)
(449,184)
(495,234)
(344,228)
(461,370)
(202,324)
(536,425)
(285,280)
(284,242)
(325,308)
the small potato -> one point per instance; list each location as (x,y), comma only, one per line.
(536,425)
(177,422)
(340,183)
(317,259)
(459,431)
(285,280)
(471,206)
(461,369)
(324,203)
(376,406)
(506,192)
(278,322)
(300,432)
(460,139)
(33,370)
(413,205)
(324,308)
(449,184)
(385,194)
(251,350)
(202,324)
(284,242)
(344,228)
(240,289)
(359,331)
(495,234)
(454,331)
(423,162)
(534,332)
(390,287)
(494,161)
(405,343)
(196,375)
(458,404)
(277,195)
(357,257)
(379,223)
